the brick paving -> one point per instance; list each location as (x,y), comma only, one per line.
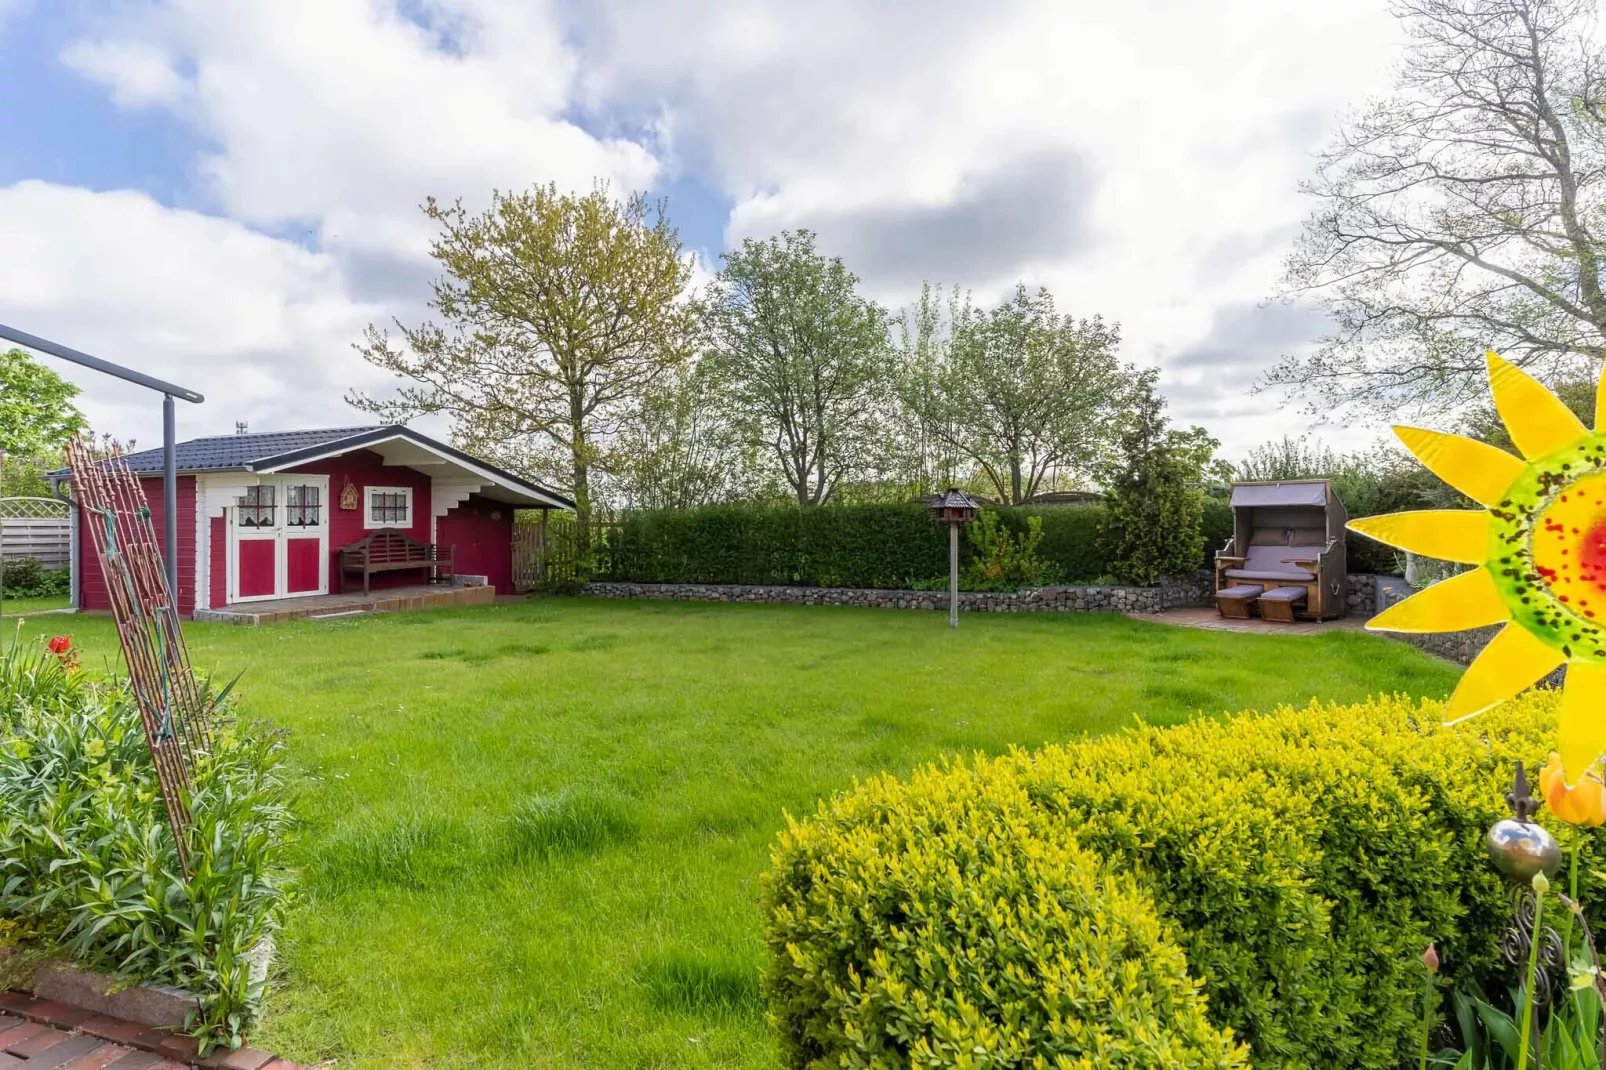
(39,1034)
(1209,619)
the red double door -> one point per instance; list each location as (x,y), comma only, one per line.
(279,538)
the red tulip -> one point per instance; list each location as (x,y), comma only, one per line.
(60,644)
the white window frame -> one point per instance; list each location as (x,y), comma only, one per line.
(368,522)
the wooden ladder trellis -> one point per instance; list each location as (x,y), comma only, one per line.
(175,707)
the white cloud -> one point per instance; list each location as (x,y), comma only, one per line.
(1161,142)
(137,74)
(262,327)
(343,115)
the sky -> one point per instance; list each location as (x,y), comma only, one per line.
(224,193)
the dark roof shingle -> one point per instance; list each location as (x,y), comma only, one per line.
(222,452)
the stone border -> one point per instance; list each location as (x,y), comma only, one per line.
(1174,591)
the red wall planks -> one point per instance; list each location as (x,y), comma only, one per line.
(92,584)
(364,468)
(480,533)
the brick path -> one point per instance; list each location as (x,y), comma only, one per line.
(38,1034)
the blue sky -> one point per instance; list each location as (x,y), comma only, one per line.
(225,193)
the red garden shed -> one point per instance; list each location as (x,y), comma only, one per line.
(265,516)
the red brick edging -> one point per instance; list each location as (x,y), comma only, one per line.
(40,1034)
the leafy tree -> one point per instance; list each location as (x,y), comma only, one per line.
(802,363)
(678,451)
(559,313)
(1020,392)
(1461,213)
(1155,500)
(37,419)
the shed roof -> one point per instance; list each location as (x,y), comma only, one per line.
(277,451)
(1289,492)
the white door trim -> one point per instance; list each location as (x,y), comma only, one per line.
(280,533)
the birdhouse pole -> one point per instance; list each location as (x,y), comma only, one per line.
(953,575)
(953,507)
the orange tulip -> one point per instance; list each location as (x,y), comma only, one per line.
(1583,803)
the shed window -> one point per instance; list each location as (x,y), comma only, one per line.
(256,507)
(303,506)
(388,507)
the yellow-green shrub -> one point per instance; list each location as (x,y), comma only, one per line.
(996,912)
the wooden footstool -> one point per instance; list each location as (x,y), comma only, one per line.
(1279,603)
(1234,602)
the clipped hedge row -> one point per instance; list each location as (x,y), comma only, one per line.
(885,546)
(998,911)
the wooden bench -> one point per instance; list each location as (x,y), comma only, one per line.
(388,550)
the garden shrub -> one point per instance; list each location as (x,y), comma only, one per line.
(1002,559)
(27,577)
(1055,904)
(88,867)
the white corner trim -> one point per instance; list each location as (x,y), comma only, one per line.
(203,547)
(446,495)
(225,490)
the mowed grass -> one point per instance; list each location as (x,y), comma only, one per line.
(22,607)
(533,832)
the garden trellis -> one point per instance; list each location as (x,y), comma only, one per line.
(174,706)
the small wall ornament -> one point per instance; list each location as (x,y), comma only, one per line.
(348,495)
(1540,548)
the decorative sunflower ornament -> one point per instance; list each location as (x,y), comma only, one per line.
(1541,550)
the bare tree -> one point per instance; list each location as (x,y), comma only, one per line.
(1461,213)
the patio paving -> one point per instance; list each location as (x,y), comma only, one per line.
(1206,617)
(382,600)
(39,1034)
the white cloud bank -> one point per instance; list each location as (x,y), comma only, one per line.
(1141,159)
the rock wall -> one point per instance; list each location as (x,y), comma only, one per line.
(1033,600)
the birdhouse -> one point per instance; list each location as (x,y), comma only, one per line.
(953,506)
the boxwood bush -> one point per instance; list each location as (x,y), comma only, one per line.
(88,867)
(1129,901)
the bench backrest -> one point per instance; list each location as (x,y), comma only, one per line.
(388,545)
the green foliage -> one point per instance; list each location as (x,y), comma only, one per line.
(873,545)
(557,312)
(1298,862)
(37,416)
(1155,502)
(799,360)
(1491,1038)
(27,577)
(88,865)
(1017,394)
(1002,559)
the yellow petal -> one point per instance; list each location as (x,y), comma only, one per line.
(1512,662)
(1600,400)
(1538,421)
(1480,471)
(1447,534)
(1469,600)
(1583,718)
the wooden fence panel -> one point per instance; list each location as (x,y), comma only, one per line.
(49,539)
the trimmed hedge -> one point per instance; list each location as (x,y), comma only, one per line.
(885,546)
(996,911)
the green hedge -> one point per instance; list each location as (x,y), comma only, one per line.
(834,546)
(993,912)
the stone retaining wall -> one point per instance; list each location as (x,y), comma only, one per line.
(1033,600)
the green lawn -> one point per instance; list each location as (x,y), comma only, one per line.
(21,607)
(533,831)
